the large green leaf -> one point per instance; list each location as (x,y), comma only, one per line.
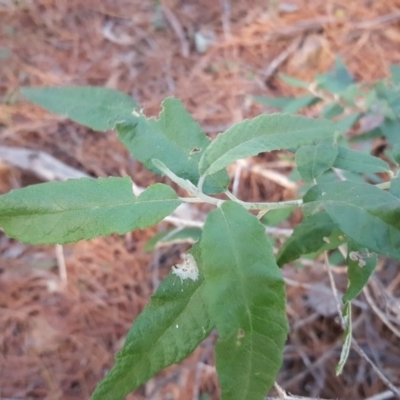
(176,140)
(263,133)
(245,294)
(61,212)
(170,328)
(354,161)
(313,160)
(96,107)
(368,215)
(316,233)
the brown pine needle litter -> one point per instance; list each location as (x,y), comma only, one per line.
(64,312)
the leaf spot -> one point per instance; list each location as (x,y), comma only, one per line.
(187,270)
(195,150)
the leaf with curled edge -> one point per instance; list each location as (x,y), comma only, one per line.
(261,134)
(175,139)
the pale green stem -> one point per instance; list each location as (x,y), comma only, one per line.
(272,206)
(265,206)
(199,196)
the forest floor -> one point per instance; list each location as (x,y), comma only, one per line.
(64,311)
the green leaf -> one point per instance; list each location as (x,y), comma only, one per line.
(344,124)
(275,102)
(395,187)
(366,136)
(361,264)
(366,214)
(395,74)
(396,153)
(348,336)
(62,212)
(294,82)
(313,160)
(332,110)
(351,94)
(391,128)
(246,300)
(275,217)
(316,233)
(96,107)
(337,80)
(173,236)
(289,105)
(331,176)
(354,161)
(176,140)
(263,133)
(170,328)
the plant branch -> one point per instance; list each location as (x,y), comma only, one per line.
(199,196)
(265,206)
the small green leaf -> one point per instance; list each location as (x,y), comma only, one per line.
(391,95)
(275,102)
(351,94)
(261,134)
(176,140)
(294,82)
(316,233)
(62,212)
(354,161)
(344,124)
(313,160)
(366,136)
(332,110)
(348,336)
(361,264)
(96,107)
(391,128)
(289,105)
(245,294)
(275,217)
(169,329)
(173,236)
(396,153)
(366,214)
(337,80)
(395,187)
(395,74)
